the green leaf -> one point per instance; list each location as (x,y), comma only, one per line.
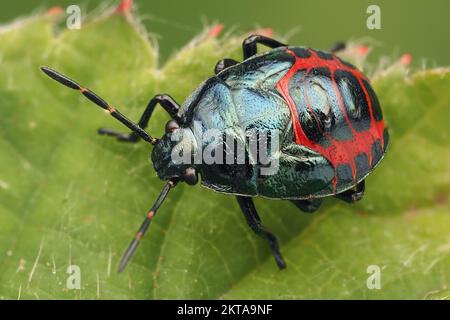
(71,197)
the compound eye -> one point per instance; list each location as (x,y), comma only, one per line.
(171,126)
(190,176)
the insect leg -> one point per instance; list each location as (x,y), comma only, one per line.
(249,45)
(337,47)
(164,100)
(354,194)
(223,64)
(253,220)
(308,205)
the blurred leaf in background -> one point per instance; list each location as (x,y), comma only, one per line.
(71,197)
(419,27)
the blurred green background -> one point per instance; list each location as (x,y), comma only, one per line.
(418,27)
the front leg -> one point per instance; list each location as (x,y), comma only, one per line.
(249,45)
(254,221)
(164,100)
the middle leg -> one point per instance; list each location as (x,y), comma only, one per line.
(223,64)
(254,221)
(249,45)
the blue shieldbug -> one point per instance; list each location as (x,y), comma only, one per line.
(331,125)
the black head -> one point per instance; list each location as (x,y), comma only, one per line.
(172,155)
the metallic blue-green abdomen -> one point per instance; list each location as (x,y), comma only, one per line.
(244,98)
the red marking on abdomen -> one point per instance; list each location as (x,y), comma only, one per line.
(339,151)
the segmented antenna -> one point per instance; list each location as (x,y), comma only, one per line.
(92,96)
(147,221)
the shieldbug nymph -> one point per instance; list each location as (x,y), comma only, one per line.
(332,130)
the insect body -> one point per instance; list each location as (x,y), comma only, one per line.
(322,110)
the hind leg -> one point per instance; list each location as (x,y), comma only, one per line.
(307,205)
(354,194)
(337,47)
